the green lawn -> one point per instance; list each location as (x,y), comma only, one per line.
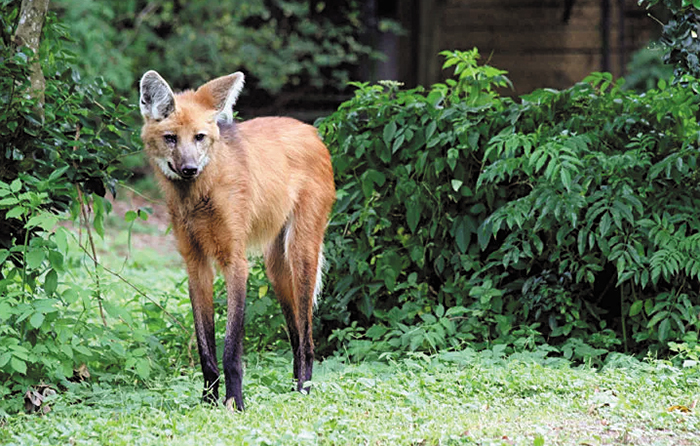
(470,398)
(457,398)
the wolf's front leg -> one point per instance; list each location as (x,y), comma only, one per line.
(236,274)
(201,278)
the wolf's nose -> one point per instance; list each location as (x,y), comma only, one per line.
(189,171)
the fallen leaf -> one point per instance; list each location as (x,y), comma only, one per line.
(34,398)
(507,440)
(81,373)
(678,408)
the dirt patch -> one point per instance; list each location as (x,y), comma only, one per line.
(595,431)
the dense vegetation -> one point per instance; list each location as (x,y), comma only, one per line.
(562,223)
(288,49)
(52,167)
(568,217)
(680,35)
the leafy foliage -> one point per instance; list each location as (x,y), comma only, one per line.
(680,35)
(464,217)
(49,169)
(609,177)
(402,238)
(81,139)
(278,43)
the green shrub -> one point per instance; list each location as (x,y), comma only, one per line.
(54,169)
(81,139)
(464,217)
(679,35)
(401,241)
(611,186)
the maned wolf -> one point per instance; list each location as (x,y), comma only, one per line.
(230,187)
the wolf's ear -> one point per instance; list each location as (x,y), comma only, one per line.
(157,100)
(224,92)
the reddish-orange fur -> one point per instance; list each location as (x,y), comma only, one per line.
(267,186)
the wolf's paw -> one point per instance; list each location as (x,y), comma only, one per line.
(233,407)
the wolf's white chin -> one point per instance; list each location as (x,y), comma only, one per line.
(165,168)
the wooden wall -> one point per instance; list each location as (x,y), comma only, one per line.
(528,38)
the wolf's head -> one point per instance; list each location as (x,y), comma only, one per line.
(180,129)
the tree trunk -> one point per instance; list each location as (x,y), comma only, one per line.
(31,22)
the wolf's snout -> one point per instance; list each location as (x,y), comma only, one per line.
(189,171)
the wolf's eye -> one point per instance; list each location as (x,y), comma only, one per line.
(170,138)
(199,137)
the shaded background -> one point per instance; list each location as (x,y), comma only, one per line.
(545,43)
(299,55)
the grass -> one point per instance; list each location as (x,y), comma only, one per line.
(458,398)
(455,398)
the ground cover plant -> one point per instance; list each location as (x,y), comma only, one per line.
(464,398)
